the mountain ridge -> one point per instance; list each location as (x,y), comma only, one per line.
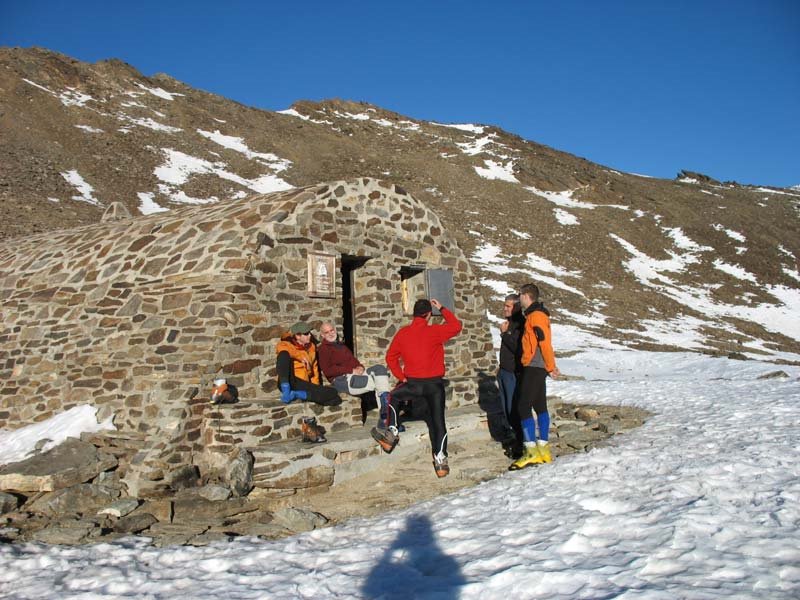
(716,261)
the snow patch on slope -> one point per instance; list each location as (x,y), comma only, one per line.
(179,167)
(497,170)
(86,191)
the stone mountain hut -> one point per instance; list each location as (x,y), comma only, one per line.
(136,316)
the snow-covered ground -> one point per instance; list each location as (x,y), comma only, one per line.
(703,501)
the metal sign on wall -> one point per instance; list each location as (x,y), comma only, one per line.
(439,283)
(321,275)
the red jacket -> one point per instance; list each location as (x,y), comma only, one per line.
(336,359)
(420,347)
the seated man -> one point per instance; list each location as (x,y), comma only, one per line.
(298,371)
(347,374)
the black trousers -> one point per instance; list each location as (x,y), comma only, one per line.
(319,394)
(532,394)
(427,398)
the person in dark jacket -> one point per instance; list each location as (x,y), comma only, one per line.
(340,366)
(416,358)
(510,367)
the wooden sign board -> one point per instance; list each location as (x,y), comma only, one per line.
(321,275)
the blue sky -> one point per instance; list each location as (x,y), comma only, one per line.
(649,87)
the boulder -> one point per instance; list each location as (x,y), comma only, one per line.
(232,469)
(67,532)
(299,519)
(214,493)
(192,508)
(239,476)
(8,502)
(67,464)
(775,375)
(135,523)
(587,414)
(317,476)
(82,499)
(160,508)
(185,476)
(120,508)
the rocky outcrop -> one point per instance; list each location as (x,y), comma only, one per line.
(65,465)
(202,507)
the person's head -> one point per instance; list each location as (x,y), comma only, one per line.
(423,308)
(301,332)
(511,305)
(327,331)
(528,294)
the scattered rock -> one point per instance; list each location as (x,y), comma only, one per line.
(135,523)
(8,502)
(67,464)
(185,476)
(120,508)
(611,427)
(299,519)
(587,414)
(8,534)
(82,499)
(209,537)
(775,375)
(109,479)
(214,493)
(171,534)
(192,508)
(67,532)
(477,475)
(240,474)
(160,508)
(319,476)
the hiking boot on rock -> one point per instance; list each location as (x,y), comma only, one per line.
(387,438)
(311,431)
(440,465)
(530,457)
(544,452)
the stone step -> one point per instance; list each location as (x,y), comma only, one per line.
(294,464)
(267,419)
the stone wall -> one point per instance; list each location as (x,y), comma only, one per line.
(136,315)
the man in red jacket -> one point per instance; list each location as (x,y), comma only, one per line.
(416,358)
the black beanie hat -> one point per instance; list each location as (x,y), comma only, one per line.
(422,307)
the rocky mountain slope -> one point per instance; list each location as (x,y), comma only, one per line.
(691,263)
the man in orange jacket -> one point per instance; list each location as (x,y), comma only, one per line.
(538,361)
(298,371)
(416,358)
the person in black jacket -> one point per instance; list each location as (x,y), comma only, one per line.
(510,352)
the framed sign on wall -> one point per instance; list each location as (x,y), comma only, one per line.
(321,275)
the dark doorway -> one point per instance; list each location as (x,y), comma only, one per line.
(349,265)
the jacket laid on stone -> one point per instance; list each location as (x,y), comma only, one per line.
(537,345)
(510,343)
(308,370)
(421,347)
(336,359)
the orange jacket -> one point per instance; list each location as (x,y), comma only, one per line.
(308,370)
(537,321)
